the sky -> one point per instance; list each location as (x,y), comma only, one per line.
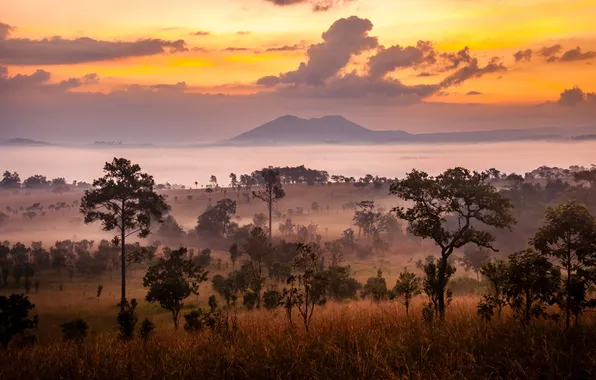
(202,70)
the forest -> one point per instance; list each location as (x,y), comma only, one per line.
(290,272)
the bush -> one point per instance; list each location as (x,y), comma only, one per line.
(14,317)
(250,300)
(147,329)
(271,299)
(75,331)
(375,288)
(127,319)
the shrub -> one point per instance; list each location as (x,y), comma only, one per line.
(14,317)
(271,299)
(127,319)
(250,300)
(75,331)
(147,329)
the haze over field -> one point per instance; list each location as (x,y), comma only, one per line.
(184,166)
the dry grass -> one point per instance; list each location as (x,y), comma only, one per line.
(359,340)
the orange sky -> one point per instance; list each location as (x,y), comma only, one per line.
(489,27)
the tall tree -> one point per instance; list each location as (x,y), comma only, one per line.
(449,209)
(272,192)
(124,199)
(568,236)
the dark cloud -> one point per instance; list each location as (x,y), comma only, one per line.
(60,51)
(549,51)
(425,74)
(452,61)
(235,49)
(472,93)
(395,57)
(345,38)
(5,31)
(577,55)
(287,48)
(575,96)
(40,81)
(317,5)
(472,70)
(523,55)
(200,33)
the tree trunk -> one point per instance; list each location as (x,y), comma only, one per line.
(441,288)
(568,282)
(528,315)
(270,214)
(123,268)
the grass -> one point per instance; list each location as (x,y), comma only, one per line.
(359,340)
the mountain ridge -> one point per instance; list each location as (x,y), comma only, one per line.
(336,129)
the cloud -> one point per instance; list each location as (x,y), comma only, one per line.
(451,61)
(60,51)
(388,60)
(575,96)
(523,55)
(287,48)
(235,49)
(317,5)
(577,55)
(200,33)
(472,70)
(344,38)
(5,30)
(40,81)
(549,51)
(243,33)
(473,93)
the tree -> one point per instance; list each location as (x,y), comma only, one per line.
(568,236)
(259,220)
(407,286)
(213,181)
(366,218)
(216,220)
(233,180)
(272,193)
(449,209)
(532,284)
(10,180)
(172,280)
(474,258)
(375,288)
(258,247)
(234,254)
(124,199)
(170,230)
(497,274)
(306,289)
(14,317)
(432,282)
(36,182)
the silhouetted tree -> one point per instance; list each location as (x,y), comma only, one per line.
(124,199)
(568,236)
(474,258)
(466,198)
(172,280)
(407,287)
(272,192)
(14,317)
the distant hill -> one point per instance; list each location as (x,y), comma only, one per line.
(338,130)
(327,129)
(23,142)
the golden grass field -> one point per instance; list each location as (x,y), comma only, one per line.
(351,340)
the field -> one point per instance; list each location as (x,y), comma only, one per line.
(347,340)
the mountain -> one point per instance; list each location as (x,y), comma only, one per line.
(337,129)
(23,142)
